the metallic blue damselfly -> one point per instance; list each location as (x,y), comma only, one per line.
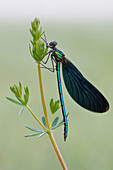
(80,89)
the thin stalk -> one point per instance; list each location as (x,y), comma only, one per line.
(27,107)
(42,97)
(35,117)
(47,123)
(62,162)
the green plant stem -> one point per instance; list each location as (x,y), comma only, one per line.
(42,97)
(35,117)
(62,162)
(47,123)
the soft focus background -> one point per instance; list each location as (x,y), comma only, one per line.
(84,32)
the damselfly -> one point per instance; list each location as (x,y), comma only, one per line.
(80,89)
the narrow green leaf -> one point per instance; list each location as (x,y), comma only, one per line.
(31,42)
(21,111)
(14,101)
(13,90)
(58,125)
(41,135)
(20,100)
(43,120)
(16,89)
(26,90)
(32,135)
(26,95)
(55,122)
(33,129)
(30,50)
(32,33)
(25,99)
(51,102)
(20,89)
(37,35)
(40,32)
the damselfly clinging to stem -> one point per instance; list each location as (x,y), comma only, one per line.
(80,89)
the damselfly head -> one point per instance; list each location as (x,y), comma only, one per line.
(52,44)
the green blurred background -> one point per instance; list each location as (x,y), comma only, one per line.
(84,32)
(89,146)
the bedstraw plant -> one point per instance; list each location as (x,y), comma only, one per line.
(38,50)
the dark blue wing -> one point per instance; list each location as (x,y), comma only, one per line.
(81,90)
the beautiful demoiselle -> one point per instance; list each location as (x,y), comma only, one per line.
(80,89)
